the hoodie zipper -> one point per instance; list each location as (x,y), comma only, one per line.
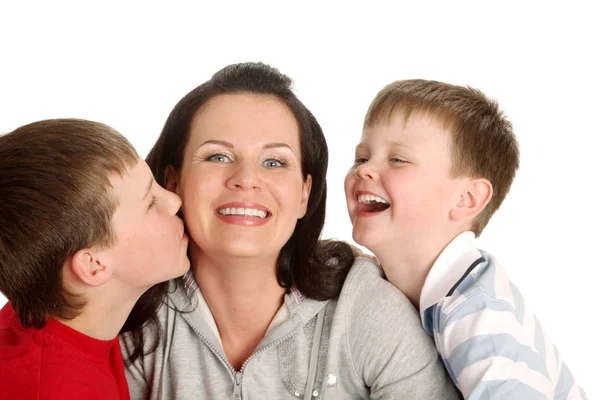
(237,388)
(238,375)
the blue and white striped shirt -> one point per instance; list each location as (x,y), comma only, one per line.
(490,342)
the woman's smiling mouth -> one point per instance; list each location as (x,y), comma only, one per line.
(243,213)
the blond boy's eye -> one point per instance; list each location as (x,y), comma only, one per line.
(360,160)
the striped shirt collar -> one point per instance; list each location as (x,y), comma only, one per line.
(448,269)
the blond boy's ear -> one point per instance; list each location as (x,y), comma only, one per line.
(474,198)
(89,268)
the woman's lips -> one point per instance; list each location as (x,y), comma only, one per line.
(243,213)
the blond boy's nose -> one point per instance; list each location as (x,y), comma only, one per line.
(364,171)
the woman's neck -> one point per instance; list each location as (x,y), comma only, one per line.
(243,296)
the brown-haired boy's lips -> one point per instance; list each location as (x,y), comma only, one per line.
(183,235)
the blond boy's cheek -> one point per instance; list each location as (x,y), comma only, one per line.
(349,183)
(350,205)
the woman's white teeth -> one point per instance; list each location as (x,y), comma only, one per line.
(249,212)
(368,198)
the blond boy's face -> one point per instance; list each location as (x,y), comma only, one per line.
(400,188)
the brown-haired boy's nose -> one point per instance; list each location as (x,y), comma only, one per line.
(173,202)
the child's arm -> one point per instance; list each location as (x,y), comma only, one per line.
(494,350)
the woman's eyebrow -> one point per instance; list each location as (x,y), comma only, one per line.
(219,142)
(231,146)
(277,145)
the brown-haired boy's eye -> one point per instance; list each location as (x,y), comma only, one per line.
(152,202)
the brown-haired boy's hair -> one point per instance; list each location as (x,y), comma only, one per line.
(56,198)
(483,142)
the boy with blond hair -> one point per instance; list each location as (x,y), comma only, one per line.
(84,232)
(434,163)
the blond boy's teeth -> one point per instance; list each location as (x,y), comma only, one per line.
(369,198)
(248,212)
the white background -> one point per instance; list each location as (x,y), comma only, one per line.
(128,64)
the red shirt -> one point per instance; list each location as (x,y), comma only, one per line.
(57,362)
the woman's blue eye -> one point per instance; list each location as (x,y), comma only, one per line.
(222,158)
(272,163)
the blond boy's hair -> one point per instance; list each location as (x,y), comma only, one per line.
(483,142)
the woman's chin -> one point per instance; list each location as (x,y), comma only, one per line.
(243,249)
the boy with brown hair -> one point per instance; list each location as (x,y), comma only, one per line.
(434,163)
(84,232)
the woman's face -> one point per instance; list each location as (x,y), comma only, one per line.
(241,180)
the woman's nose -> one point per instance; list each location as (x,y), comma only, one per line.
(244,177)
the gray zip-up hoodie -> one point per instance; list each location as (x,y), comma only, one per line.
(368,343)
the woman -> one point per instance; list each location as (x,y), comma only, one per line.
(267,311)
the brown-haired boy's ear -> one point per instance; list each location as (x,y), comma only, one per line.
(171,179)
(87,266)
(475,196)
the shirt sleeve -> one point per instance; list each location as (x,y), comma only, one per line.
(497,350)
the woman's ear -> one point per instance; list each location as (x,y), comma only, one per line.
(171,179)
(306,187)
(475,197)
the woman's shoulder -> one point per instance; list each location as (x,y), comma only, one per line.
(367,296)
(367,285)
(365,266)
(385,338)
